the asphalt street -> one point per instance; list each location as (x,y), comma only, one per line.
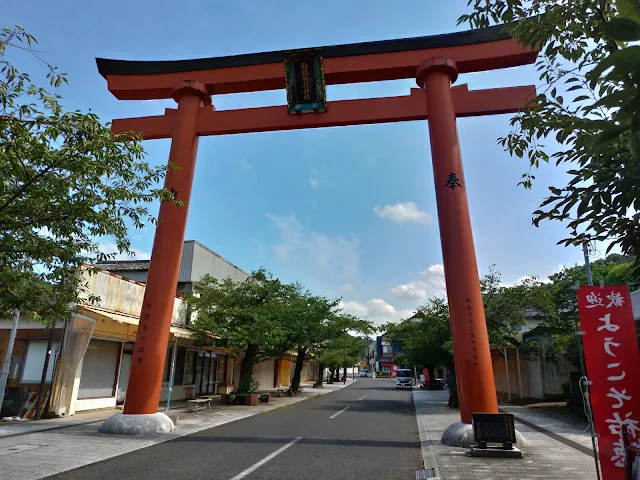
(367,430)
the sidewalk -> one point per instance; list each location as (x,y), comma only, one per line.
(33,450)
(544,457)
(562,426)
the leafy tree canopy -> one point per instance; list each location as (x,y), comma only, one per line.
(425,338)
(65,181)
(506,307)
(241,313)
(586,116)
(342,351)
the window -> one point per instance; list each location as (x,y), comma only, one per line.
(190,368)
(180,359)
(167,365)
(34,362)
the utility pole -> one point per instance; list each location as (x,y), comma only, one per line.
(6,364)
(587,264)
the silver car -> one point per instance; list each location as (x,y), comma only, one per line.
(404,378)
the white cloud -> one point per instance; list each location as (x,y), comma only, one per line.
(110,247)
(314,183)
(335,258)
(376,310)
(430,284)
(543,278)
(403,212)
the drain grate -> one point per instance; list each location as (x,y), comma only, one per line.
(426,473)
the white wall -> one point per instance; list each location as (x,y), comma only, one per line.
(264,372)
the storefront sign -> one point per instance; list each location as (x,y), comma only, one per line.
(304,76)
(613,366)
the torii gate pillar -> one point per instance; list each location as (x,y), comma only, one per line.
(141,414)
(472,356)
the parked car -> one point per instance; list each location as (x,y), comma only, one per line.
(404,378)
(364,372)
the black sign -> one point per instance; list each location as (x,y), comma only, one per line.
(493,427)
(304,77)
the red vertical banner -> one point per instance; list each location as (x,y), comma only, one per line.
(613,366)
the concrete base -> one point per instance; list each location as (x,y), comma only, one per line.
(461,435)
(495,452)
(121,424)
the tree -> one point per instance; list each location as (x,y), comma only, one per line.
(309,322)
(341,352)
(614,269)
(505,307)
(588,105)
(425,338)
(244,315)
(65,182)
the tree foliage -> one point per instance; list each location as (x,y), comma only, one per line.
(425,338)
(342,351)
(586,116)
(65,182)
(614,269)
(312,323)
(506,307)
(245,316)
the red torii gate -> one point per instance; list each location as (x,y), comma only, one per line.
(434,61)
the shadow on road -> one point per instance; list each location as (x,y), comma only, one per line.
(304,440)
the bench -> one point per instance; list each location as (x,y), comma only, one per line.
(280,391)
(197,403)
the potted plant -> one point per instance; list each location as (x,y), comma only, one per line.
(245,394)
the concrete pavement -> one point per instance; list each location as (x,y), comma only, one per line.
(35,450)
(367,430)
(544,457)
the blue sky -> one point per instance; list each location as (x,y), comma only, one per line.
(347,211)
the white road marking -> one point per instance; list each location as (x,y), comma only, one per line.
(373,390)
(257,465)
(362,398)
(333,416)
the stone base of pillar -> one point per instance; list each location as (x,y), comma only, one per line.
(461,435)
(144,424)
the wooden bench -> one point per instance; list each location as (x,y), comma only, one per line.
(280,391)
(197,402)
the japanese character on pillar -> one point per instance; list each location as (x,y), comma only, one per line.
(612,359)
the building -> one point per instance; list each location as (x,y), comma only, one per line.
(91,353)
(196,262)
(386,350)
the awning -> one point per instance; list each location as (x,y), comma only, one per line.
(177,331)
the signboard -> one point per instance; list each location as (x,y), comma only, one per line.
(493,428)
(304,77)
(613,366)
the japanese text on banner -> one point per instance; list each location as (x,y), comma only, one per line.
(613,363)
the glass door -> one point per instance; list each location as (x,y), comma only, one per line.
(212,375)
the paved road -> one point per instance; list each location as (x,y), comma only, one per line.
(365,431)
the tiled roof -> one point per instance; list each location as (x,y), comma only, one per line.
(124,265)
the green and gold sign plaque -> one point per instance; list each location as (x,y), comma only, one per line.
(304,76)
